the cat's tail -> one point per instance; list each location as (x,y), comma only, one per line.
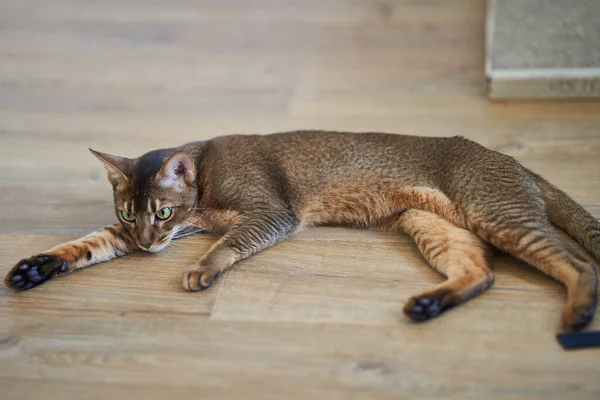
(565,213)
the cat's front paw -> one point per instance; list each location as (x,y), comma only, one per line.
(34,270)
(199,277)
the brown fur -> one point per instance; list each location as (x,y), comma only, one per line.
(453,196)
(453,251)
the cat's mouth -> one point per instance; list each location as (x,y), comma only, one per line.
(160,245)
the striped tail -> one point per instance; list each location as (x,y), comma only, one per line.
(565,213)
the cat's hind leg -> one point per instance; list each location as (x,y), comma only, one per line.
(455,252)
(535,241)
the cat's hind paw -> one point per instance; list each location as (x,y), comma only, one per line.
(422,308)
(430,304)
(577,318)
(34,270)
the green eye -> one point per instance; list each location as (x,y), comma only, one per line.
(164,213)
(127,217)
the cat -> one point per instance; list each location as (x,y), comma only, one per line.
(457,199)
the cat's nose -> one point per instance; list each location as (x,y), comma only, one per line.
(145,245)
(144,239)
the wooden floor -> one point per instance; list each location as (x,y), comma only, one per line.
(318,316)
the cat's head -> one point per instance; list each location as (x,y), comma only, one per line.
(155,194)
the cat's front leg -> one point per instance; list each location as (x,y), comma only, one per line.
(113,241)
(254,234)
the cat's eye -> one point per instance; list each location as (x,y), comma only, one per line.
(164,213)
(127,217)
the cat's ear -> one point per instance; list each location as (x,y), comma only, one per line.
(117,167)
(178,170)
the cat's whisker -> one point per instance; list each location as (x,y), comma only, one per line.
(189,233)
(187,229)
(196,226)
(190,223)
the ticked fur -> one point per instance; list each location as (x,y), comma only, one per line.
(455,198)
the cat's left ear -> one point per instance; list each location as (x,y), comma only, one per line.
(117,167)
(177,170)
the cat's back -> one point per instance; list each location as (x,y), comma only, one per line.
(295,144)
(314,157)
(334,144)
(330,150)
(327,141)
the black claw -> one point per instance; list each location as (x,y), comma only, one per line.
(23,266)
(16,278)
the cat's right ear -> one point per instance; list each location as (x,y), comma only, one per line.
(117,167)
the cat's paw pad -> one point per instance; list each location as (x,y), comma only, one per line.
(423,308)
(199,277)
(576,318)
(34,270)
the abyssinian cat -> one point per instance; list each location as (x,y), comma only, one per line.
(454,197)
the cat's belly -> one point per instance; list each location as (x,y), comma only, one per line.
(374,205)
